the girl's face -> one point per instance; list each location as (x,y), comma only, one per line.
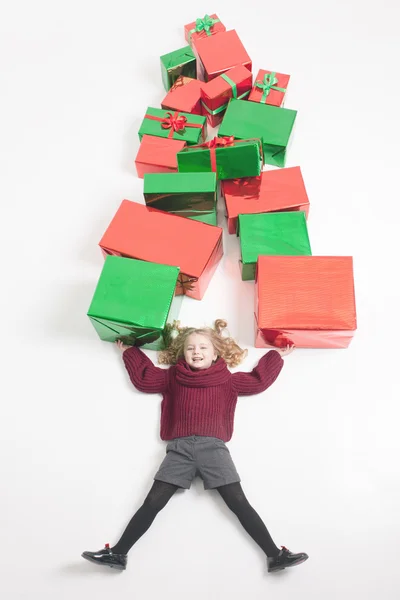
(198,351)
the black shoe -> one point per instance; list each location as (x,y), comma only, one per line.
(285,559)
(107,558)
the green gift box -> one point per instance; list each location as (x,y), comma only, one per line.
(192,195)
(272,124)
(282,233)
(227,157)
(186,127)
(177,63)
(134,302)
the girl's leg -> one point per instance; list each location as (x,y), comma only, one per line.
(157,498)
(235,499)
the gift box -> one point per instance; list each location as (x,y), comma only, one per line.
(305,301)
(282,233)
(157,155)
(134,302)
(215,95)
(184,96)
(220,53)
(270,88)
(144,233)
(273,191)
(224,156)
(174,125)
(191,195)
(174,64)
(202,28)
(273,125)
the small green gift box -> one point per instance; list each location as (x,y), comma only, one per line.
(186,127)
(177,63)
(272,124)
(192,195)
(134,302)
(281,233)
(227,157)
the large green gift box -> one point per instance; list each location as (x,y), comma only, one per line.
(283,233)
(134,302)
(177,63)
(272,124)
(227,157)
(186,127)
(192,195)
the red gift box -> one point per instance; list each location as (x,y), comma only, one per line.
(273,191)
(270,88)
(305,301)
(157,155)
(219,53)
(137,231)
(215,95)
(184,96)
(202,28)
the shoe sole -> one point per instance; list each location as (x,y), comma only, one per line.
(101,564)
(300,562)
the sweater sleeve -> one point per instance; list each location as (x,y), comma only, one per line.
(145,376)
(261,377)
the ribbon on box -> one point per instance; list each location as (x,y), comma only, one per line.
(205,24)
(246,187)
(234,95)
(275,338)
(186,282)
(173,122)
(268,84)
(212,145)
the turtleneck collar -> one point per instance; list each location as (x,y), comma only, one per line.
(215,375)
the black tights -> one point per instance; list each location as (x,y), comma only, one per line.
(161,493)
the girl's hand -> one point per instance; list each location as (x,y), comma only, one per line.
(285,351)
(121,346)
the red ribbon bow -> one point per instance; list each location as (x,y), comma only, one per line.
(173,122)
(217,142)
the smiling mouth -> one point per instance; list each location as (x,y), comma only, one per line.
(197,360)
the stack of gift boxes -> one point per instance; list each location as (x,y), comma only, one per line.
(152,252)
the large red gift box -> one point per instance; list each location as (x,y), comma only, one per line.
(219,53)
(137,231)
(305,301)
(215,95)
(272,191)
(157,155)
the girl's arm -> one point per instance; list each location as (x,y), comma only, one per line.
(261,377)
(145,376)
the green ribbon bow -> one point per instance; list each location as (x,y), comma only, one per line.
(205,24)
(268,84)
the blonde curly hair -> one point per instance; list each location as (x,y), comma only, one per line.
(225,346)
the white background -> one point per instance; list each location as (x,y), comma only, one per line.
(318,453)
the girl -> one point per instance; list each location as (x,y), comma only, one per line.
(197,413)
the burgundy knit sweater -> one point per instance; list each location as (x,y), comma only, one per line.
(199,402)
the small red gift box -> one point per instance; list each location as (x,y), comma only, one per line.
(157,155)
(270,88)
(272,191)
(215,95)
(184,96)
(137,231)
(219,53)
(305,301)
(202,28)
